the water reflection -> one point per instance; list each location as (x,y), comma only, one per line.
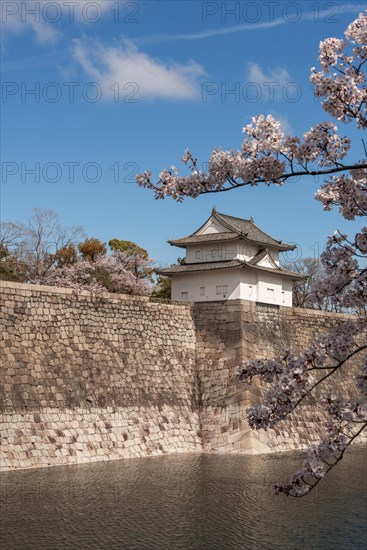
(183,502)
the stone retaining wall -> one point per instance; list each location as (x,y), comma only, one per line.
(230,332)
(87,378)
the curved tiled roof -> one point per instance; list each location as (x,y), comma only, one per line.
(210,237)
(228,264)
(237,228)
(203,266)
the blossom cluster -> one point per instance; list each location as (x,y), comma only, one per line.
(348,420)
(114,273)
(342,80)
(266,156)
(348,191)
(292,378)
(345,280)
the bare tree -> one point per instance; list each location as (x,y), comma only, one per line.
(303,295)
(36,242)
(305,292)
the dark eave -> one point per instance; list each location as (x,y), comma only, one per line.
(229,264)
(195,267)
(279,271)
(202,239)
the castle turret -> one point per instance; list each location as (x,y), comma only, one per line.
(230,258)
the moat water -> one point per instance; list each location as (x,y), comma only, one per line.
(189,502)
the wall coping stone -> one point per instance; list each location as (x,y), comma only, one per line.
(233,305)
(105,295)
(229,305)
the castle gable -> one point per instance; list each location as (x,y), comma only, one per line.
(212,225)
(264,259)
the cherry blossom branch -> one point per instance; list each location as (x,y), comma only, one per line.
(290,376)
(259,161)
(287,176)
(313,469)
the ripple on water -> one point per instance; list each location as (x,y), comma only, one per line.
(193,502)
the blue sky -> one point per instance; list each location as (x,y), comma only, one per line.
(122,87)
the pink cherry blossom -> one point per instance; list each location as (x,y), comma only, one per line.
(113,273)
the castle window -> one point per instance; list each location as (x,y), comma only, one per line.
(250,290)
(202,291)
(198,254)
(184,296)
(270,293)
(221,289)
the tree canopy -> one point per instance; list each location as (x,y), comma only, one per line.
(44,251)
(129,247)
(91,248)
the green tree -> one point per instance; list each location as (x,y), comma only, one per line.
(129,247)
(91,248)
(163,288)
(10,268)
(67,255)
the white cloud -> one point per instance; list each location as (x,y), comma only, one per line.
(20,16)
(279,75)
(42,16)
(272,84)
(129,70)
(88,10)
(323,14)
